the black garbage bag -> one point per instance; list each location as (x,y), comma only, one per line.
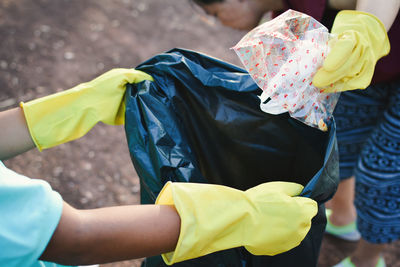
(200,121)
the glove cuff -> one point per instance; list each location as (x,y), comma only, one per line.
(28,120)
(203,230)
(165,198)
(59,118)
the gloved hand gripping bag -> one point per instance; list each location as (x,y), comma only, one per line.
(200,121)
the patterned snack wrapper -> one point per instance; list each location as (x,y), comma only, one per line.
(282,56)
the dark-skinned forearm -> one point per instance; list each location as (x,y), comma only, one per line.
(113,234)
(14,135)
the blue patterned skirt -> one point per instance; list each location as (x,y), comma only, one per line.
(368,133)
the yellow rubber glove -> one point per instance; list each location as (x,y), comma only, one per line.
(68,115)
(265,219)
(361,40)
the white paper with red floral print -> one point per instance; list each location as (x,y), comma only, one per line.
(282,56)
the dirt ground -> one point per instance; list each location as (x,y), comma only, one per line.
(51,45)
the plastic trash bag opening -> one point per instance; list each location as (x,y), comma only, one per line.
(200,121)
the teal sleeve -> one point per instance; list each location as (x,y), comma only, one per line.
(29,214)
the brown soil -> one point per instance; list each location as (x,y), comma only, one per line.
(51,45)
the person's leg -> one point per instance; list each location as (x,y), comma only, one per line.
(356,114)
(342,206)
(367,254)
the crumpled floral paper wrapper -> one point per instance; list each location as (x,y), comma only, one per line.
(282,56)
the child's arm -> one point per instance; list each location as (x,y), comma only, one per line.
(67,115)
(113,234)
(14,135)
(99,235)
(193,220)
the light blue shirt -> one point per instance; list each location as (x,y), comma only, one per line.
(29,214)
